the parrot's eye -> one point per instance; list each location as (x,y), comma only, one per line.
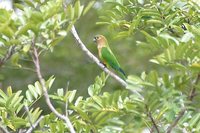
(97,38)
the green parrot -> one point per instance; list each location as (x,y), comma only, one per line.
(106,55)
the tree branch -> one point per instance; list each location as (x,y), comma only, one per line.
(9,53)
(3,129)
(34,125)
(36,61)
(193,91)
(180,115)
(152,120)
(182,112)
(28,114)
(82,46)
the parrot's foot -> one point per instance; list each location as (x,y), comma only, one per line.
(103,64)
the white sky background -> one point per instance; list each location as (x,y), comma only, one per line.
(7,4)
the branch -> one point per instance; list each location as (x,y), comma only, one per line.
(9,53)
(192,93)
(36,61)
(3,129)
(34,125)
(66,102)
(152,120)
(180,115)
(182,112)
(82,46)
(28,114)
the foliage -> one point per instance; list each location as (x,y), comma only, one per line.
(168,29)
(172,32)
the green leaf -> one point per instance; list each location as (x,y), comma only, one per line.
(88,7)
(170,53)
(70,95)
(166,80)
(24,29)
(70,12)
(18,122)
(98,100)
(26,48)
(16,103)
(60,92)
(30,3)
(61,126)
(56,41)
(194,120)
(7,31)
(29,96)
(101,117)
(9,91)
(52,127)
(34,114)
(81,112)
(32,91)
(198,126)
(153,78)
(195,66)
(15,59)
(3,95)
(149,13)
(5,15)
(78,100)
(19,6)
(20,106)
(37,17)
(153,21)
(169,6)
(38,88)
(11,100)
(91,90)
(152,40)
(41,45)
(78,9)
(50,81)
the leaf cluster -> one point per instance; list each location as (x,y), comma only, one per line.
(170,29)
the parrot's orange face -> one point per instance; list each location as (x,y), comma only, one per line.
(100,40)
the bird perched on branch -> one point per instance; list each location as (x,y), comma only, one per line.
(106,55)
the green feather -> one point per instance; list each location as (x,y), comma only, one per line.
(109,57)
(110,60)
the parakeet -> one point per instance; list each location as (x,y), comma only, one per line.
(106,55)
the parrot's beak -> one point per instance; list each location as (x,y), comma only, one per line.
(94,39)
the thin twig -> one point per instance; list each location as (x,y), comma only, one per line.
(34,125)
(152,119)
(19,68)
(8,55)
(66,102)
(36,61)
(182,112)
(3,129)
(82,46)
(193,91)
(180,115)
(28,114)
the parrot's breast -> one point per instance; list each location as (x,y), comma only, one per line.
(99,50)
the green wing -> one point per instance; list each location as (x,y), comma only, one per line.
(109,58)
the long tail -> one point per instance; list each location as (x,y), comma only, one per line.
(122,73)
